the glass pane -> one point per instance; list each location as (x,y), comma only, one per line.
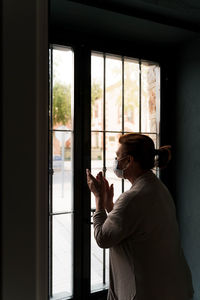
(150,108)
(97,66)
(154,138)
(127,185)
(113,94)
(131,96)
(62,177)
(107,253)
(62,256)
(157,145)
(112,145)
(62,88)
(97,265)
(97,157)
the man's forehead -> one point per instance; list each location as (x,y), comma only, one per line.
(119,150)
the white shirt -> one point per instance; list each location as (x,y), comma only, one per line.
(146,258)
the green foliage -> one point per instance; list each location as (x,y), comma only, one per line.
(61,103)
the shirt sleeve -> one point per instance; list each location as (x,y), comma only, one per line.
(120,223)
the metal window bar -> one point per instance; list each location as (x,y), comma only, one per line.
(61,213)
(158,116)
(50,172)
(62,130)
(115,131)
(104,148)
(140,100)
(122,108)
(122,94)
(104,114)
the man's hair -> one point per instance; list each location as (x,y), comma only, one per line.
(142,148)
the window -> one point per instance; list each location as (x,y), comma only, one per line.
(61,180)
(126,93)
(83,127)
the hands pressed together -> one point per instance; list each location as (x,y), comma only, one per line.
(102,191)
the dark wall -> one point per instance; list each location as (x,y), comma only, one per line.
(19,157)
(22,96)
(187,158)
(76,22)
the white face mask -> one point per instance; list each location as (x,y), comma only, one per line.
(118,172)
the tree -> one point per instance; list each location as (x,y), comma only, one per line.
(61,103)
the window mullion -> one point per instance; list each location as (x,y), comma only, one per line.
(82,160)
(140,96)
(77,226)
(122,94)
(86,163)
(122,108)
(104,147)
(104,114)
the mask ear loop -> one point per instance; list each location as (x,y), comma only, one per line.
(128,162)
(121,158)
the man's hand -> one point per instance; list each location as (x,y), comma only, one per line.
(109,191)
(102,191)
(93,184)
(97,187)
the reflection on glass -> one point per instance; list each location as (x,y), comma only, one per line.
(113,94)
(62,166)
(97,92)
(62,88)
(150,85)
(97,266)
(112,145)
(62,256)
(131,95)
(96,156)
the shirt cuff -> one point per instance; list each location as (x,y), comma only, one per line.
(99,217)
(99,212)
